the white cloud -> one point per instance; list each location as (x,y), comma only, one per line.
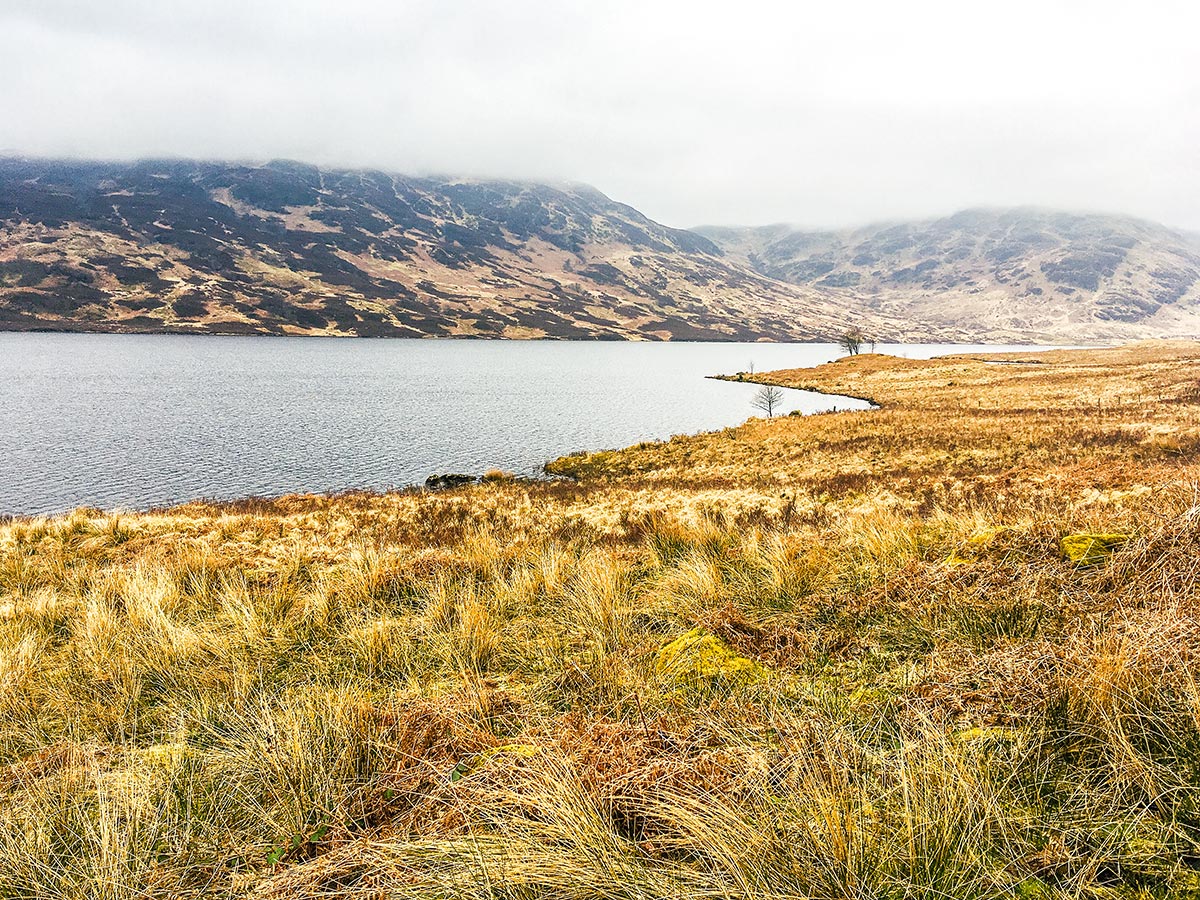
(695,112)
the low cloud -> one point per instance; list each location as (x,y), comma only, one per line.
(695,113)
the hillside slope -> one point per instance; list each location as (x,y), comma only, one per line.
(289,248)
(1017,273)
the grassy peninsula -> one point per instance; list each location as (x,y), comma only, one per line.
(945,648)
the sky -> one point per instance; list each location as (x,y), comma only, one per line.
(819,114)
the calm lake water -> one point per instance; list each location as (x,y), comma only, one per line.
(130,421)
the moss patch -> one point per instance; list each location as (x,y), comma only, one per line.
(698,656)
(978,544)
(1090,549)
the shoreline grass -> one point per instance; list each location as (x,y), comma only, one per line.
(831,656)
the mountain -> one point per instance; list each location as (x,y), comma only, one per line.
(997,274)
(287,248)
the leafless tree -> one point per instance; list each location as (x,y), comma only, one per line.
(852,341)
(767,399)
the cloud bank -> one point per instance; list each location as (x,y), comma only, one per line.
(747,113)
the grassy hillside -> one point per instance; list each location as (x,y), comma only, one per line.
(943,648)
(1022,274)
(285,248)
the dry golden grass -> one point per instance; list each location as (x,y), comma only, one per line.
(1135,374)
(898,684)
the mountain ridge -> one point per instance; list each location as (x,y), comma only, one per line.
(980,208)
(1025,270)
(286,247)
(289,248)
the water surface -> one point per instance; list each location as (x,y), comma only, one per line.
(130,421)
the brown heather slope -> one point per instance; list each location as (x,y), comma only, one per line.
(1032,381)
(285,248)
(1022,274)
(975,424)
(824,657)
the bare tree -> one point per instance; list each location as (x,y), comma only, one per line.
(852,341)
(767,399)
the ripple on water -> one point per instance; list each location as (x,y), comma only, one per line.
(140,420)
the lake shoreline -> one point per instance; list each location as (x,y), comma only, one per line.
(927,340)
(981,590)
(144,421)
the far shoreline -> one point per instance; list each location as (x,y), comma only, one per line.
(598,339)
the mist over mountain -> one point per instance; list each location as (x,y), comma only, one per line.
(1001,273)
(289,248)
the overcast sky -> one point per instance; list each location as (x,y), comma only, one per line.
(822,114)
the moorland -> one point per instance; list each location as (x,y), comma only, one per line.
(287,248)
(942,648)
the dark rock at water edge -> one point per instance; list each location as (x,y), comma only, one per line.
(444,482)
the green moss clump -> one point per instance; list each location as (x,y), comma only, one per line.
(699,656)
(1090,549)
(1033,889)
(977,544)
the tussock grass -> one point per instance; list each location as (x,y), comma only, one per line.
(462,694)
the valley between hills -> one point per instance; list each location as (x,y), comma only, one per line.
(288,248)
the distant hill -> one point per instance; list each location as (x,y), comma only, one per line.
(289,248)
(997,274)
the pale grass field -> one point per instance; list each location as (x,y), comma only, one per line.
(827,657)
